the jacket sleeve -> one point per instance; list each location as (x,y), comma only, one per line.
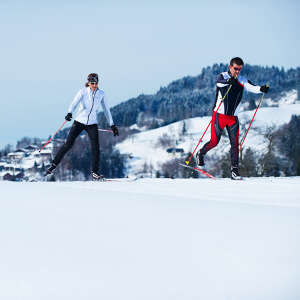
(222,80)
(106,110)
(75,101)
(249,86)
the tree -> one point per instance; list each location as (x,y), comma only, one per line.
(7,149)
(288,142)
(248,165)
(189,173)
(171,169)
(269,162)
(270,165)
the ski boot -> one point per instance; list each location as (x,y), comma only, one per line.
(235,175)
(50,169)
(97,177)
(200,159)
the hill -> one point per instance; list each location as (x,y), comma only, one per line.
(193,96)
(147,150)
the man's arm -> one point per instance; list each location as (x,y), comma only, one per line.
(249,86)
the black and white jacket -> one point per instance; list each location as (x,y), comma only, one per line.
(234,96)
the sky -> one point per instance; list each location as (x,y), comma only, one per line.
(49,47)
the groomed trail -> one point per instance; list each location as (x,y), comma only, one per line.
(148,239)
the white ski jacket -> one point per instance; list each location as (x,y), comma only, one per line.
(88,103)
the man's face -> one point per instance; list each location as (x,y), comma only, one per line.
(235,69)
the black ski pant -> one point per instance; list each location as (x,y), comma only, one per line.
(76,129)
(218,124)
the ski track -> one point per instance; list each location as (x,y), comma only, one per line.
(181,239)
(276,192)
(270,191)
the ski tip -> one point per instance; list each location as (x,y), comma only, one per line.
(187,162)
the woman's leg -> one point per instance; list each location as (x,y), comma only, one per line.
(76,129)
(92,131)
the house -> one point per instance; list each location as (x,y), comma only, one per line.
(31,148)
(10,177)
(45,155)
(175,150)
(16,155)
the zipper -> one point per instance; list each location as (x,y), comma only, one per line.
(94,93)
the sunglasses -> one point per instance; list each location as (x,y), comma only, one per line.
(93,83)
(237,69)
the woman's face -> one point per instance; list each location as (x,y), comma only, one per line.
(93,85)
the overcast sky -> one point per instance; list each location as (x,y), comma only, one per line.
(49,47)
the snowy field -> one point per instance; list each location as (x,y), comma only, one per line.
(151,239)
(144,147)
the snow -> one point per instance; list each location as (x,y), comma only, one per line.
(150,239)
(289,97)
(144,147)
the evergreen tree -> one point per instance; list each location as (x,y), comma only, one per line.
(248,165)
(189,173)
(270,165)
(269,162)
(288,141)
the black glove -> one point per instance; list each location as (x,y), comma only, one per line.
(264,88)
(232,80)
(115,130)
(68,117)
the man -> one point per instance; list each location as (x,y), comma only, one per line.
(230,87)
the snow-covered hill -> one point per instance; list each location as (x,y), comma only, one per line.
(151,239)
(146,147)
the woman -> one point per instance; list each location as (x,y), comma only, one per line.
(88,101)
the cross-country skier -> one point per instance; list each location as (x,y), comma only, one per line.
(230,85)
(88,101)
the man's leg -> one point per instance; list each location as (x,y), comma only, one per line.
(233,133)
(216,132)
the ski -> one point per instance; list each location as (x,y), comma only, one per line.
(199,170)
(117,180)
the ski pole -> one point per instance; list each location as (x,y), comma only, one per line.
(244,137)
(63,124)
(189,160)
(106,130)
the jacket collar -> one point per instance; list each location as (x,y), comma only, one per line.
(90,91)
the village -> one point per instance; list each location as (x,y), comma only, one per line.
(26,164)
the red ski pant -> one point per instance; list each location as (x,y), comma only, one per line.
(218,124)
